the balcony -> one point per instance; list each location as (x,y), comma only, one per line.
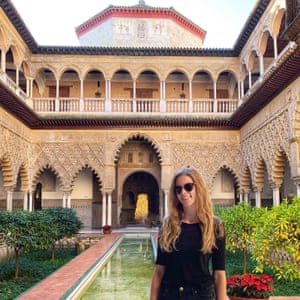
(115,106)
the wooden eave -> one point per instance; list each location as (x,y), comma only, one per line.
(14,105)
(292,32)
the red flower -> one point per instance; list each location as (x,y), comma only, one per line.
(250,286)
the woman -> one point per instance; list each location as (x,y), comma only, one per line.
(190,238)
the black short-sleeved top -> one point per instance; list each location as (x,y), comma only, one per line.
(187,265)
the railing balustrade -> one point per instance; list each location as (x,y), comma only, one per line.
(177,105)
(44,104)
(69,104)
(122,105)
(94,105)
(203,105)
(148,105)
(226,105)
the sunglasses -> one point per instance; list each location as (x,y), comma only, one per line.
(187,187)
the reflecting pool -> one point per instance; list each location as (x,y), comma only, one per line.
(126,274)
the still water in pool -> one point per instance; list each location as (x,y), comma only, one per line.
(127,274)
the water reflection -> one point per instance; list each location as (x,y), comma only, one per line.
(127,274)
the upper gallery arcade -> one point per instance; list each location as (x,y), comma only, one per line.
(95,126)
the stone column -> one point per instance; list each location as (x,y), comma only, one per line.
(165,208)
(250,79)
(275,47)
(190,96)
(17,76)
(246,196)
(162,96)
(30,201)
(109,210)
(81,101)
(166,177)
(104,200)
(3,61)
(64,200)
(258,198)
(69,202)
(57,96)
(261,66)
(25,200)
(215,108)
(276,195)
(9,200)
(134,107)
(242,89)
(107,95)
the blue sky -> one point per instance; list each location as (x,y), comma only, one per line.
(53,22)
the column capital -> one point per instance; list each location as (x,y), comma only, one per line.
(66,189)
(106,191)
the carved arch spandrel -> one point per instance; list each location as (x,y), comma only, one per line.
(264,142)
(139,136)
(41,170)
(67,159)
(206,158)
(92,170)
(231,172)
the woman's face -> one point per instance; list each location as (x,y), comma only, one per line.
(185,190)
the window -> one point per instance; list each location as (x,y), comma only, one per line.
(140,157)
(151,158)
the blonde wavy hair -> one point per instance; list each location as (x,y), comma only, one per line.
(171,227)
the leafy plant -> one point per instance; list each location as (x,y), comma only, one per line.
(67,223)
(24,231)
(250,286)
(277,241)
(35,266)
(240,223)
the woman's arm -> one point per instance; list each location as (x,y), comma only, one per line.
(220,284)
(156,281)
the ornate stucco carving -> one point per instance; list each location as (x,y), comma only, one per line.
(208,159)
(68,159)
(14,149)
(264,144)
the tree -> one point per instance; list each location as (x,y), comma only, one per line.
(25,231)
(240,223)
(277,241)
(67,223)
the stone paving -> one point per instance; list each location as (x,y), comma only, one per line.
(57,284)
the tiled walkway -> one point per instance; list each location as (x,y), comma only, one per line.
(57,284)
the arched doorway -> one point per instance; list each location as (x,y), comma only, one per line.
(138,172)
(139,185)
